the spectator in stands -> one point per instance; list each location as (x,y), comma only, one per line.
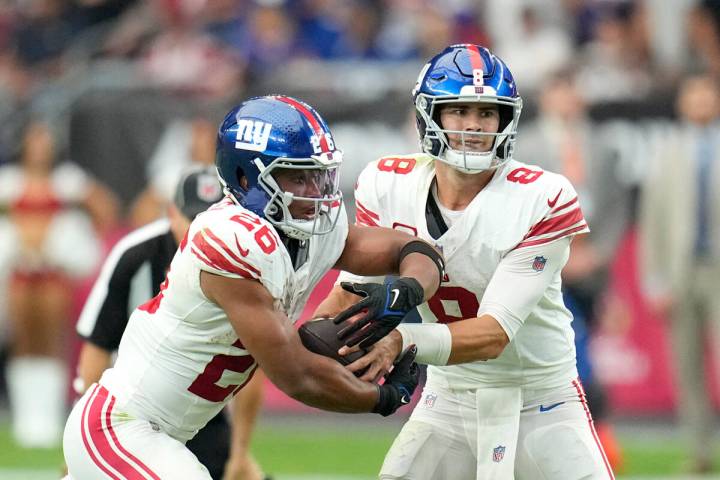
(614,65)
(53,216)
(131,275)
(680,250)
(563,139)
(536,38)
(703,30)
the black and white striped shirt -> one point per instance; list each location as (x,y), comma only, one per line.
(131,275)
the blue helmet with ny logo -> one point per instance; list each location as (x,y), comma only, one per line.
(459,74)
(266,135)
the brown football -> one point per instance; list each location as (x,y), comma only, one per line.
(319,335)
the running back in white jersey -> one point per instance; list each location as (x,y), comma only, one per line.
(180,359)
(521,206)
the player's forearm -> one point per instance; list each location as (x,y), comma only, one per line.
(423,269)
(93,361)
(327,385)
(473,339)
(480,338)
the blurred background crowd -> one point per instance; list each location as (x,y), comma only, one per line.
(103,103)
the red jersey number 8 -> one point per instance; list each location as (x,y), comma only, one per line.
(400,166)
(465,301)
(524,175)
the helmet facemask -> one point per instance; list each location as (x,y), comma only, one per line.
(435,141)
(316,184)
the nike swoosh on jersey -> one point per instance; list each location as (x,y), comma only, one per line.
(243,251)
(552,203)
(396,293)
(543,408)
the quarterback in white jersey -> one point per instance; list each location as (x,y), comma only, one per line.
(235,287)
(502,399)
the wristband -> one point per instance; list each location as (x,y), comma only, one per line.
(433,340)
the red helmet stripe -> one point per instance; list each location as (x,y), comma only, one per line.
(475,58)
(310,117)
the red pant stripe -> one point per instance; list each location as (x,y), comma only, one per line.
(84,419)
(583,401)
(99,438)
(122,449)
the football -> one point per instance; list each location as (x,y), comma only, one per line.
(319,335)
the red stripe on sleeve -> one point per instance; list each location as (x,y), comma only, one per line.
(366,210)
(564,205)
(230,252)
(362,219)
(200,255)
(210,256)
(366,217)
(556,224)
(540,241)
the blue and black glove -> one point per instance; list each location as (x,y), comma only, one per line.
(386,306)
(399,384)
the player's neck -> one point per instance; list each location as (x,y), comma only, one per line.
(455,190)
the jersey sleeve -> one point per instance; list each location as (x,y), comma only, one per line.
(367,208)
(560,215)
(235,246)
(520,281)
(367,214)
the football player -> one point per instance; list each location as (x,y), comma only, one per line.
(502,399)
(236,285)
(132,273)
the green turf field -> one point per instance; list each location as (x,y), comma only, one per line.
(295,450)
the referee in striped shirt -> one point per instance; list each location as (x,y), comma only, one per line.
(130,276)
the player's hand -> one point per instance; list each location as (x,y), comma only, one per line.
(379,360)
(386,306)
(399,384)
(242,468)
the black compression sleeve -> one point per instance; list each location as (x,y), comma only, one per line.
(419,246)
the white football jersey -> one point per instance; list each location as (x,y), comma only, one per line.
(522,206)
(180,359)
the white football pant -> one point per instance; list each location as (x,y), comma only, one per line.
(472,434)
(101,442)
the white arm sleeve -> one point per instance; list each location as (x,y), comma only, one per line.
(516,287)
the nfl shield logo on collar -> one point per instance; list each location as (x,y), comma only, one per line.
(498,453)
(539,263)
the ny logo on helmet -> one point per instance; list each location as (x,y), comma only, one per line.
(252,135)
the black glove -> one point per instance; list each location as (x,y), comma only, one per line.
(399,384)
(386,306)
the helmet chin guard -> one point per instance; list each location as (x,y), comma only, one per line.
(466,73)
(326,207)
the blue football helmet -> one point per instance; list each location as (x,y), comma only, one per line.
(466,73)
(267,135)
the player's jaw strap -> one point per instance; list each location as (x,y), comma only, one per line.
(424,248)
